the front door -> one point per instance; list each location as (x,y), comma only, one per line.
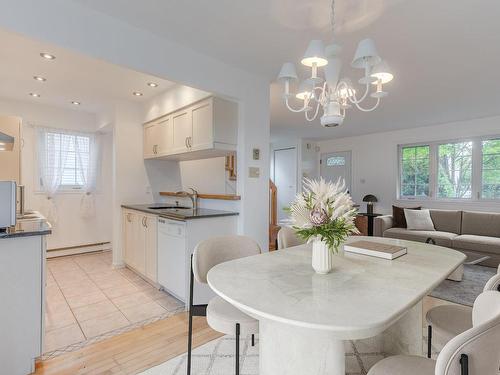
(335,165)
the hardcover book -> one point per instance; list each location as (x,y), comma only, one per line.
(375,249)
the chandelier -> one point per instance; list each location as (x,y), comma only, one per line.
(332,93)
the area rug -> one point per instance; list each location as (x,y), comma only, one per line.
(465,292)
(217,358)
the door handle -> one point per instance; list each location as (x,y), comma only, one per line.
(189,142)
(145,222)
(186,142)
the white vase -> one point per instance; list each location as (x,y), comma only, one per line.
(322,257)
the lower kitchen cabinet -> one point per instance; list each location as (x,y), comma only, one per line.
(140,243)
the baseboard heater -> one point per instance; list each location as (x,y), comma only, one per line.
(80,249)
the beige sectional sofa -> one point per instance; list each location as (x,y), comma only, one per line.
(474,233)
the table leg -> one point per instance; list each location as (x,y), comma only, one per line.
(286,349)
(405,336)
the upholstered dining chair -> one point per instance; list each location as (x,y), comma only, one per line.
(473,352)
(288,238)
(447,321)
(221,315)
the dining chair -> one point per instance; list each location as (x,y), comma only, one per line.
(221,315)
(473,352)
(288,238)
(447,321)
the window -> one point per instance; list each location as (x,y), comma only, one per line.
(415,171)
(455,170)
(66,159)
(490,184)
(335,161)
(451,170)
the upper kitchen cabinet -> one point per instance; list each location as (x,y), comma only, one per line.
(205,129)
(158,137)
(10,148)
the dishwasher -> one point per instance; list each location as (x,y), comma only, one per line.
(172,257)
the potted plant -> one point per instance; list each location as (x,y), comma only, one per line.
(323,214)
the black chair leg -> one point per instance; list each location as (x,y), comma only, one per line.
(253,340)
(464,364)
(190,343)
(429,341)
(237,348)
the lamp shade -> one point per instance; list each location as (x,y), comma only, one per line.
(287,72)
(370,198)
(315,53)
(366,53)
(305,89)
(382,72)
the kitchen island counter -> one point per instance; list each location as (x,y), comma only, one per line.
(178,213)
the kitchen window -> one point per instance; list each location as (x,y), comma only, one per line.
(67,160)
(450,170)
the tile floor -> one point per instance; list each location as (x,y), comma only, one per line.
(87,298)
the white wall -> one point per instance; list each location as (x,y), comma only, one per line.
(375,160)
(73,26)
(71,229)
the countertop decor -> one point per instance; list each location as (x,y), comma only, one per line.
(324,215)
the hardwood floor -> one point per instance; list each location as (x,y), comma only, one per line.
(131,352)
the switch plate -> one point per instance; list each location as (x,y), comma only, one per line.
(256,154)
(254,172)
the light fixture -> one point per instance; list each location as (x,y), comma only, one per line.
(34,94)
(39,78)
(137,93)
(47,56)
(152,84)
(74,102)
(333,93)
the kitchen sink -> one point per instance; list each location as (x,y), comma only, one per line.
(169,208)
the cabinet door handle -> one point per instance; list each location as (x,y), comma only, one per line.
(186,142)
(144,221)
(189,142)
(128,218)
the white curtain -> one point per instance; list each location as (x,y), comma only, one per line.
(88,155)
(59,153)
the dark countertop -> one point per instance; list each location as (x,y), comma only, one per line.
(178,214)
(27,228)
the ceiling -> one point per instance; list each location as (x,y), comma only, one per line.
(445,54)
(70,77)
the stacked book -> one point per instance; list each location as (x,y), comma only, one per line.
(375,249)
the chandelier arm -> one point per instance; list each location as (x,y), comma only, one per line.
(368,109)
(303,109)
(315,113)
(356,100)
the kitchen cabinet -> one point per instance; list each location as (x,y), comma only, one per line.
(207,128)
(158,138)
(10,158)
(140,243)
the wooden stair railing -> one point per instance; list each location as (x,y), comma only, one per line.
(273,216)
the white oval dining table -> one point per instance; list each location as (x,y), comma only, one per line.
(304,318)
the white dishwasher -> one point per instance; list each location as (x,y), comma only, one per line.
(172,259)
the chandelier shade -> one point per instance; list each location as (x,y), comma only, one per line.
(315,54)
(287,72)
(366,54)
(382,72)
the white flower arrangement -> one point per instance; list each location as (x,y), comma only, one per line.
(324,211)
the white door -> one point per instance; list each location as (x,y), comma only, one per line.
(335,165)
(285,178)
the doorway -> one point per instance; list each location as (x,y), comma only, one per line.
(285,178)
(335,165)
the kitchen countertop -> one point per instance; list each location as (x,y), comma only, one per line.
(27,228)
(179,214)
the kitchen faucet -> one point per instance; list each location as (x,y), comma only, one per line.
(193,196)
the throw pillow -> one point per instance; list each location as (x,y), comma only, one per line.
(398,216)
(419,220)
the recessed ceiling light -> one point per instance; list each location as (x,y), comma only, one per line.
(34,94)
(75,102)
(137,93)
(47,56)
(152,84)
(39,78)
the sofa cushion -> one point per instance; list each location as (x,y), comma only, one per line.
(419,220)
(447,220)
(481,244)
(398,215)
(481,223)
(441,238)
